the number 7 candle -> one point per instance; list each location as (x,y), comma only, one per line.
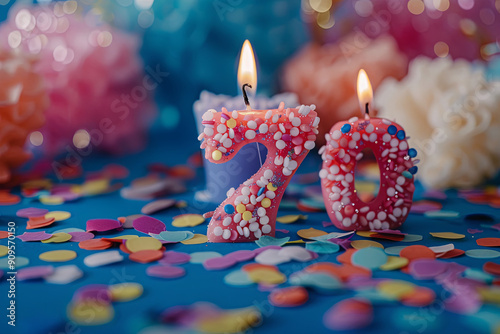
(288,134)
(344,147)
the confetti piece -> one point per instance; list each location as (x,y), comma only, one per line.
(143,243)
(64,275)
(230,321)
(58,215)
(102,259)
(31,212)
(332,235)
(200,257)
(369,257)
(420,297)
(267,240)
(34,236)
(442,248)
(492,268)
(218,263)
(271,257)
(188,220)
(238,278)
(488,242)
(32,273)
(417,252)
(319,281)
(322,247)
(393,263)
(196,240)
(157,206)
(163,271)
(51,200)
(412,238)
(173,236)
(423,206)
(396,289)
(242,255)
(451,254)
(101,313)
(37,222)
(4,234)
(125,292)
(102,225)
(482,253)
(58,238)
(394,250)
(21,261)
(173,257)
(359,244)
(129,221)
(80,236)
(447,235)
(266,276)
(349,314)
(95,244)
(146,224)
(289,297)
(69,230)
(4,250)
(296,253)
(289,219)
(146,256)
(441,214)
(310,232)
(478,275)
(474,231)
(426,268)
(58,256)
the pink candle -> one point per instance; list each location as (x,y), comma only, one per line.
(249,211)
(344,147)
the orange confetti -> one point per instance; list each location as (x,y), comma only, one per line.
(4,234)
(95,244)
(342,272)
(7,198)
(419,297)
(289,297)
(37,222)
(451,254)
(488,242)
(254,266)
(492,268)
(346,256)
(417,252)
(146,256)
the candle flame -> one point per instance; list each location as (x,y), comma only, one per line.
(365,91)
(247,70)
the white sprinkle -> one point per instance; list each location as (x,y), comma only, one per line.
(370,215)
(400,180)
(399,188)
(227,221)
(391,192)
(221,128)
(336,134)
(386,137)
(336,206)
(282,127)
(252,125)
(309,145)
(399,202)
(237,217)
(278,161)
(270,194)
(245,191)
(386,121)
(257,234)
(227,143)
(208,131)
(234,114)
(394,142)
(369,128)
(354,218)
(250,134)
(218,231)
(339,216)
(353,119)
(349,177)
(334,169)
(364,209)
(296,121)
(222,149)
(385,152)
(269,113)
(280,144)
(352,144)
(382,215)
(391,217)
(377,224)
(268,174)
(226,234)
(253,227)
(277,135)
(231,133)
(286,171)
(261,212)
(243,223)
(246,232)
(403,145)
(208,116)
(316,122)
(385,226)
(397,212)
(264,220)
(334,196)
(240,230)
(230,192)
(276,117)
(266,229)
(263,128)
(346,222)
(393,156)
(323,173)
(294,132)
(373,137)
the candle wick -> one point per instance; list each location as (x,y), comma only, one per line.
(245,96)
(367,110)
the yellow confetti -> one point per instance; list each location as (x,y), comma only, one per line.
(125,292)
(271,187)
(267,276)
(58,215)
(447,235)
(58,256)
(394,262)
(230,322)
(58,238)
(51,200)
(181,204)
(288,219)
(41,183)
(188,220)
(365,234)
(310,233)
(300,241)
(489,295)
(125,237)
(90,313)
(3,250)
(94,187)
(358,244)
(395,288)
(143,243)
(196,239)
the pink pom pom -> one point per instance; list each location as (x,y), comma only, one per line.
(99,96)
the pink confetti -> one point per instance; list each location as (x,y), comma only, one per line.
(393,232)
(31,212)
(93,292)
(424,206)
(427,268)
(173,257)
(34,272)
(282,230)
(218,263)
(349,314)
(242,255)
(326,224)
(146,224)
(165,271)
(102,225)
(463,302)
(80,236)
(474,230)
(34,236)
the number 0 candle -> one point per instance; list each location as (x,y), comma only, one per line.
(345,144)
(249,211)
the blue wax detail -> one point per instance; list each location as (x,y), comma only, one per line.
(229,209)
(392,130)
(261,191)
(407,174)
(346,128)
(413,170)
(412,152)
(401,135)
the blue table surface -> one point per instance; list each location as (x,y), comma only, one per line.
(41,307)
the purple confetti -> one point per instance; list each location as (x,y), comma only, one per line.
(31,212)
(474,230)
(93,292)
(34,236)
(165,271)
(464,302)
(424,207)
(326,224)
(146,224)
(242,255)
(260,250)
(80,236)
(34,272)
(282,231)
(102,225)
(392,232)
(427,268)
(173,257)
(436,194)
(218,263)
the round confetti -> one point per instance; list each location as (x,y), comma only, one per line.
(200,257)
(447,235)
(394,262)
(188,220)
(238,278)
(80,236)
(196,240)
(349,314)
(359,244)
(4,250)
(58,215)
(102,225)
(310,233)
(64,275)
(102,259)
(369,257)
(412,238)
(157,206)
(290,219)
(125,292)
(143,243)
(417,252)
(37,272)
(218,263)
(146,224)
(394,250)
(165,271)
(488,242)
(427,268)
(58,256)
(396,289)
(51,200)
(420,297)
(31,212)
(173,257)
(441,214)
(146,256)
(58,238)
(101,313)
(95,244)
(21,261)
(34,236)
(492,268)
(289,297)
(482,253)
